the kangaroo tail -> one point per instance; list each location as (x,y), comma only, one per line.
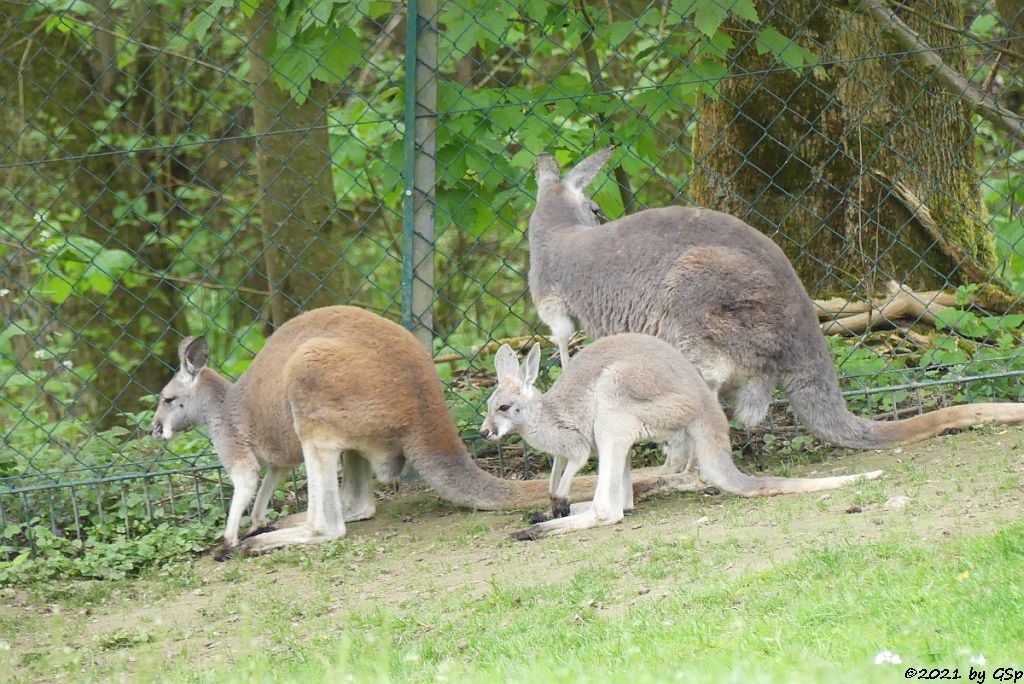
(821,407)
(815,396)
(714,461)
(453,474)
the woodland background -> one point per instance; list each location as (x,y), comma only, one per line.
(174,167)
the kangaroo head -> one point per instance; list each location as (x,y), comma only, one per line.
(508,407)
(562,201)
(180,405)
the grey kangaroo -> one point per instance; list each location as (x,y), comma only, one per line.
(715,288)
(330,381)
(618,391)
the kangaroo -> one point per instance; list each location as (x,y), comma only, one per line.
(334,380)
(715,288)
(618,391)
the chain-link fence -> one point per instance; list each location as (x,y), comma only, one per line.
(175,167)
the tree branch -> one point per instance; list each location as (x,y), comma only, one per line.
(902,303)
(853,317)
(599,86)
(931,62)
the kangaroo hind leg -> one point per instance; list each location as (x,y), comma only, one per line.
(607,507)
(751,401)
(324,515)
(679,455)
(357,501)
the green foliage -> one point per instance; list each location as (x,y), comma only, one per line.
(783,49)
(969,344)
(970,324)
(1004,195)
(69,265)
(111,556)
(313,41)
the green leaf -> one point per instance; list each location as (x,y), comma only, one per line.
(113,262)
(620,31)
(682,9)
(963,322)
(292,71)
(54,288)
(710,72)
(993,324)
(983,24)
(745,9)
(495,22)
(77,247)
(65,24)
(318,14)
(249,7)
(376,10)
(784,49)
(654,103)
(197,28)
(96,281)
(338,53)
(709,16)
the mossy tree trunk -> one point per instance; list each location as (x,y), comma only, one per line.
(304,239)
(815,158)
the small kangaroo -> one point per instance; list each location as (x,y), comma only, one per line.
(715,288)
(618,391)
(334,380)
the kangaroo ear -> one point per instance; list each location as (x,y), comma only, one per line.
(193,352)
(584,173)
(547,170)
(531,368)
(506,362)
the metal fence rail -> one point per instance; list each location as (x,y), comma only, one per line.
(222,166)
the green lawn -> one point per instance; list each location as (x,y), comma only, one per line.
(688,588)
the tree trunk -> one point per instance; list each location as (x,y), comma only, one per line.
(305,242)
(830,162)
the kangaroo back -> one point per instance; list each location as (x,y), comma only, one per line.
(350,370)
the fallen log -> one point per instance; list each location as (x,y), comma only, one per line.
(900,307)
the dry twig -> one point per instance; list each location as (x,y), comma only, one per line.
(931,62)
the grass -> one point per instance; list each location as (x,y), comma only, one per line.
(687,588)
(821,617)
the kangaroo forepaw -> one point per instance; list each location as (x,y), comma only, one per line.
(223,552)
(529,534)
(559,507)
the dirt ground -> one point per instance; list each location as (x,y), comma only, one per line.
(200,611)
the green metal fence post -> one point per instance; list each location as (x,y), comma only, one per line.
(419,147)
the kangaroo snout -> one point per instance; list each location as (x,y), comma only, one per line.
(156,429)
(490,434)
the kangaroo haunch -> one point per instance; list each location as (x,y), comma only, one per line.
(718,290)
(336,380)
(618,391)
